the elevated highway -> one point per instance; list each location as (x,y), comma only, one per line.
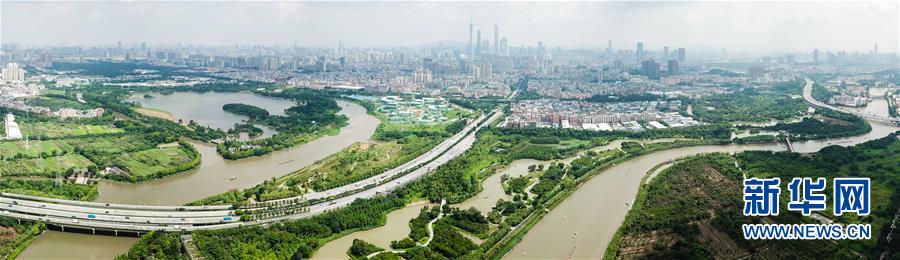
(807,95)
(142,218)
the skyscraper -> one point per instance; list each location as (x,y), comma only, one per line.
(665,53)
(876,49)
(496,48)
(815,56)
(504,47)
(471,36)
(650,69)
(673,67)
(609,48)
(639,53)
(681,56)
(478,43)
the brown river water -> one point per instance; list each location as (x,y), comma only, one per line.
(594,211)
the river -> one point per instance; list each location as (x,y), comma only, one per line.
(211,177)
(597,209)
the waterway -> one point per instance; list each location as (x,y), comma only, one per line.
(597,209)
(206,108)
(396,228)
(64,245)
(212,176)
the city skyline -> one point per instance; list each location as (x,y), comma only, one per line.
(759,27)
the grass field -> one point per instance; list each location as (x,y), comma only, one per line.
(112,144)
(45,167)
(356,163)
(154,160)
(53,129)
(33,149)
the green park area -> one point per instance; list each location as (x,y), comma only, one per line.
(47,167)
(154,161)
(780,101)
(33,149)
(692,209)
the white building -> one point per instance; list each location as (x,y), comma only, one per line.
(13,73)
(12,128)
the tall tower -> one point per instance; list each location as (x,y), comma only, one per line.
(666,53)
(816,56)
(478,43)
(496,48)
(471,36)
(639,52)
(609,49)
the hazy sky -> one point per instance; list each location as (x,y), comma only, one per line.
(753,26)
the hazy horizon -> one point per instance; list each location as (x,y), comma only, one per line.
(739,26)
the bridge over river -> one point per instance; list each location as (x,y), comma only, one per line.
(807,95)
(139,219)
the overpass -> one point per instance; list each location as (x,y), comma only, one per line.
(142,218)
(807,95)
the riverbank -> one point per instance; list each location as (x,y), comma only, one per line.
(610,189)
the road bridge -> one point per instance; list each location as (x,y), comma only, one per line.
(143,218)
(807,95)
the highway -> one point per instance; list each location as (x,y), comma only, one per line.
(807,95)
(141,218)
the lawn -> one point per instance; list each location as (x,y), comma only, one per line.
(153,161)
(45,167)
(358,162)
(111,144)
(53,129)
(33,149)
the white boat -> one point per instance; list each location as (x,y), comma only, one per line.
(232,178)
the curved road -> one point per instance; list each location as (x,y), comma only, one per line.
(807,95)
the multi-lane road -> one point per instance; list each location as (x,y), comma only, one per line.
(141,218)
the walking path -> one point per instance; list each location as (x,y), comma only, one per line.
(430,232)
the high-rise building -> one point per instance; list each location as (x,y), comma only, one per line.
(673,67)
(504,47)
(681,57)
(815,56)
(639,53)
(471,47)
(650,69)
(876,49)
(13,73)
(496,48)
(609,48)
(665,53)
(478,43)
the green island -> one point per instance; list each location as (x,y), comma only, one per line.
(688,210)
(251,111)
(392,144)
(314,115)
